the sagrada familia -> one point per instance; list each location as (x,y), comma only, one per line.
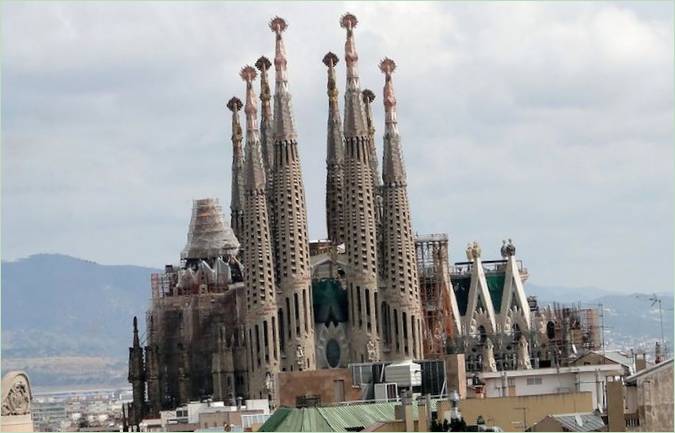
(257,297)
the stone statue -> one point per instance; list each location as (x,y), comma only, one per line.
(469,252)
(510,249)
(523,354)
(269,382)
(503,250)
(300,357)
(16,394)
(489,364)
(371,347)
(475,250)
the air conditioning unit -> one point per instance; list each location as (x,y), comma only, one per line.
(386,391)
(405,374)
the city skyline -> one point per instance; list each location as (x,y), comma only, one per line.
(535,122)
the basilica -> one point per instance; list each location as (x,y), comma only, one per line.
(257,297)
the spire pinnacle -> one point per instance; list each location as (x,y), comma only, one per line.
(266,140)
(278,26)
(248,74)
(330,60)
(234,104)
(284,129)
(354,119)
(388,66)
(263,64)
(349,22)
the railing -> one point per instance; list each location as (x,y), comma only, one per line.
(632,420)
(488,265)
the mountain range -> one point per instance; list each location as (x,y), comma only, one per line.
(67,321)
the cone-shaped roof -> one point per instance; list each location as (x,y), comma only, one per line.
(209,236)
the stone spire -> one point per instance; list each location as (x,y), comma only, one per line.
(392,162)
(237,191)
(263,64)
(359,214)
(266,137)
(401,295)
(291,245)
(261,306)
(368,98)
(137,377)
(335,150)
(284,128)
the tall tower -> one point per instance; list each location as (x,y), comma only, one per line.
(261,306)
(335,150)
(359,211)
(401,307)
(267,139)
(368,98)
(237,191)
(137,378)
(263,65)
(290,220)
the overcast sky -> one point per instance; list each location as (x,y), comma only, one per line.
(551,123)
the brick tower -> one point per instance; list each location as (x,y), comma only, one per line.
(359,211)
(261,306)
(335,150)
(401,308)
(237,192)
(293,273)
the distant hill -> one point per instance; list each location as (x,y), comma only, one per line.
(67,321)
(55,305)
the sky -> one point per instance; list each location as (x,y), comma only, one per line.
(548,123)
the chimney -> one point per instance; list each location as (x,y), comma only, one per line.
(615,418)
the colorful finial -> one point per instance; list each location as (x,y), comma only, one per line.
(263,64)
(234,104)
(349,21)
(330,59)
(387,66)
(278,25)
(248,74)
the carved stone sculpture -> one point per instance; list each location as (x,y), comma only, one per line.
(16,394)
(489,363)
(523,354)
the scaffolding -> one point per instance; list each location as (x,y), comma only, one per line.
(434,282)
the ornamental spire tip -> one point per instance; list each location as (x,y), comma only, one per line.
(278,25)
(248,73)
(330,59)
(234,104)
(387,66)
(263,64)
(348,21)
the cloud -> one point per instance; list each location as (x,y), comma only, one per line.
(549,123)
